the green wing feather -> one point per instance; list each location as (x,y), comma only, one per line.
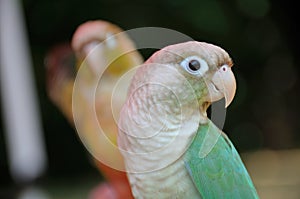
(217,169)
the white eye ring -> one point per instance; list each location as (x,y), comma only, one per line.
(194,65)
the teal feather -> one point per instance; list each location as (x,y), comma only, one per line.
(219,172)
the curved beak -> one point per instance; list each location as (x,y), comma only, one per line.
(224,82)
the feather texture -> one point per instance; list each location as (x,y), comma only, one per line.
(221,172)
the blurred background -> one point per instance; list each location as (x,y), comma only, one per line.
(263,120)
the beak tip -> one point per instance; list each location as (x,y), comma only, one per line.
(227,103)
(230,93)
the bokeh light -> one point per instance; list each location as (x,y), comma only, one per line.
(262,122)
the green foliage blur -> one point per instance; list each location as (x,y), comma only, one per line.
(260,35)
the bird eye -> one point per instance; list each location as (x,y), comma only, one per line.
(194,65)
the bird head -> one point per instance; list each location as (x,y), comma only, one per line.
(206,67)
(102,46)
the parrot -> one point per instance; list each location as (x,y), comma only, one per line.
(62,65)
(170,147)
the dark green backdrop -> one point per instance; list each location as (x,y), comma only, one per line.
(260,35)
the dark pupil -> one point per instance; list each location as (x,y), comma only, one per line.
(194,65)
